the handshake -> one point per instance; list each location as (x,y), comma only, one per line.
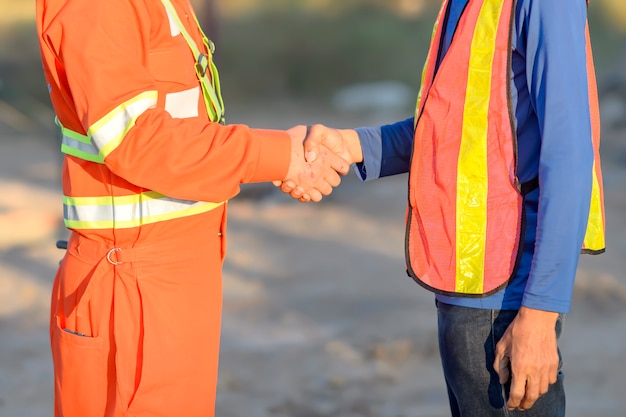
(319,156)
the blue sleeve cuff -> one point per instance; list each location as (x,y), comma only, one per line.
(371,145)
(545,304)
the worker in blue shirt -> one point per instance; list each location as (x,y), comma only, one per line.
(499,347)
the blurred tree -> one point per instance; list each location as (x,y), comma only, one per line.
(615,11)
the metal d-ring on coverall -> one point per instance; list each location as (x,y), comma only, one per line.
(136,305)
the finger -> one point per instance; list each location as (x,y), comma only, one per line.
(530,396)
(554,371)
(338,163)
(312,141)
(316,196)
(517,392)
(325,188)
(332,178)
(501,366)
(287,186)
(544,383)
(297,192)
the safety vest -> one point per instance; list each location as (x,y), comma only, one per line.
(117,212)
(465,218)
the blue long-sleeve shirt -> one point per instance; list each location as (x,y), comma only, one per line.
(551,108)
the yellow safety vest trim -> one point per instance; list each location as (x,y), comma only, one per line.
(107,133)
(204,65)
(594,237)
(110,212)
(472,174)
(104,136)
(75,144)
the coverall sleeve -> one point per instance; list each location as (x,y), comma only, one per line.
(386,149)
(556,67)
(100,49)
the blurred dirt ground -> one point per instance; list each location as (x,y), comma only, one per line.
(320,318)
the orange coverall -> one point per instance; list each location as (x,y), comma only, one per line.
(136,302)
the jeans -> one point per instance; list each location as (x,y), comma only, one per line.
(467,342)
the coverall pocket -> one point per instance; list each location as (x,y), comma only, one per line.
(81,372)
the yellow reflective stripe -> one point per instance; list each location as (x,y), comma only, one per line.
(110,212)
(71,134)
(214,105)
(108,132)
(75,144)
(81,151)
(594,237)
(218,90)
(432,50)
(472,175)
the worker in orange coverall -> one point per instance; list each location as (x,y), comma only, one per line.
(149,165)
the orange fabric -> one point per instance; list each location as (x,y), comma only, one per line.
(151,329)
(432,214)
(151,325)
(98,54)
(431,237)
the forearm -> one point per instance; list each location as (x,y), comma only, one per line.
(193,160)
(558,86)
(386,149)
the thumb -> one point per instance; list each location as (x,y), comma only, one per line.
(501,366)
(312,142)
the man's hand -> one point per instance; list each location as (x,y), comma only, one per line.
(528,355)
(316,178)
(343,142)
(320,140)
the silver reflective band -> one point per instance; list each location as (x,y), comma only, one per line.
(108,132)
(128,211)
(79,148)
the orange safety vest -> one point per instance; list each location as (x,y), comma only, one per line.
(465,200)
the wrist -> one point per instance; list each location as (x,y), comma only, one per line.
(538,316)
(351,138)
(296,156)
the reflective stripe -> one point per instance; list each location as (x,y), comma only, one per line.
(104,136)
(594,241)
(183,104)
(594,237)
(107,133)
(467,169)
(75,144)
(472,174)
(204,65)
(111,212)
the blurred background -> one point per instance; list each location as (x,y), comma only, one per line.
(298,50)
(319,317)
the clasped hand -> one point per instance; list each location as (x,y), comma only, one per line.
(319,156)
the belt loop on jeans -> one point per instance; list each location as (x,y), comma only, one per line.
(111,261)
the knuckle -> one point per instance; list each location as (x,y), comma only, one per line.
(530,399)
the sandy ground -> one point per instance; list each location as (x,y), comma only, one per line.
(319,318)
